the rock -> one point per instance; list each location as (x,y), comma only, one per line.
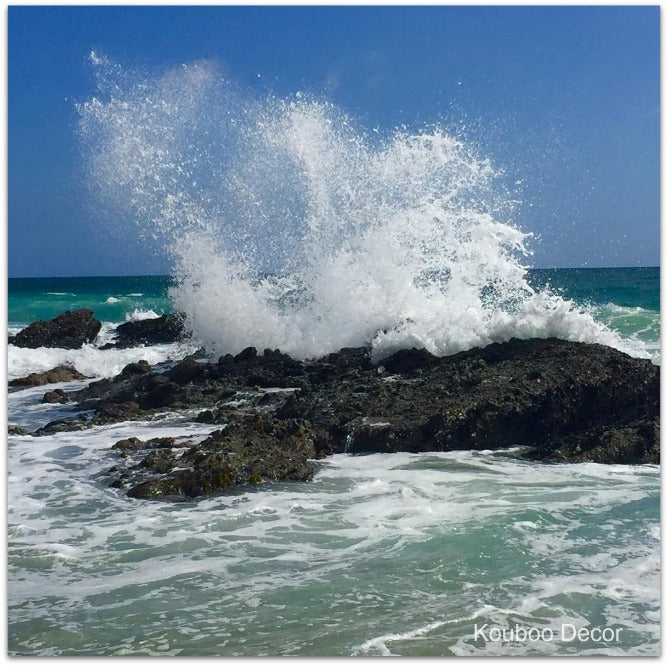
(186,371)
(63,425)
(62,373)
(163,395)
(546,394)
(128,445)
(407,360)
(55,396)
(246,355)
(16,430)
(250,450)
(562,400)
(161,330)
(70,330)
(634,442)
(138,368)
(113,412)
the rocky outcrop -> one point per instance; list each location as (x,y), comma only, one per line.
(560,401)
(62,373)
(558,398)
(249,450)
(160,330)
(69,330)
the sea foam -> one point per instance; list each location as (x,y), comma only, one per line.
(291,227)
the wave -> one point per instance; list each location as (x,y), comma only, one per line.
(89,360)
(138,314)
(398,241)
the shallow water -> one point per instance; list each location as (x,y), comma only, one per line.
(379,554)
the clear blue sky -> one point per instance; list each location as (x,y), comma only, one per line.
(565,99)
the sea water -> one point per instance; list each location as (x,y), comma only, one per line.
(291,227)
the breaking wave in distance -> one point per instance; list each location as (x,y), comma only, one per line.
(292,228)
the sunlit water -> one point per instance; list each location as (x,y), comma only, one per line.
(380,554)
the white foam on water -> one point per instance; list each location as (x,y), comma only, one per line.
(138,314)
(113,299)
(398,242)
(373,541)
(89,360)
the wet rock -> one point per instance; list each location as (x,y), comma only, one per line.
(63,425)
(250,450)
(408,360)
(635,442)
(246,355)
(16,430)
(163,395)
(129,445)
(159,460)
(186,371)
(563,400)
(70,330)
(161,330)
(55,396)
(62,373)
(114,412)
(138,368)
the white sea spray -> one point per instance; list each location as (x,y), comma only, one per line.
(290,227)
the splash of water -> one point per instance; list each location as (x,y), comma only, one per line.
(291,228)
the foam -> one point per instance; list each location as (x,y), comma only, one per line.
(89,359)
(138,314)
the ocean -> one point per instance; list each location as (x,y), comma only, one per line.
(405,554)
(290,226)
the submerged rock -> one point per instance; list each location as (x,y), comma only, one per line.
(69,330)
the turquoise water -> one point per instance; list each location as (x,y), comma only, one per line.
(383,554)
(625,299)
(111,298)
(44,298)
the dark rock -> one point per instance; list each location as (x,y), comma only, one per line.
(563,400)
(161,330)
(55,396)
(159,460)
(62,373)
(138,368)
(128,445)
(407,360)
(16,430)
(63,425)
(635,442)
(68,331)
(246,355)
(205,416)
(250,450)
(166,394)
(186,371)
(113,412)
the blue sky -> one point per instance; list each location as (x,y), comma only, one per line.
(564,99)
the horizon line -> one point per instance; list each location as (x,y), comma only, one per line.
(146,275)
